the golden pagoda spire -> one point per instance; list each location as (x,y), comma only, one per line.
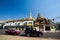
(39,16)
(8,20)
(30,15)
(23,18)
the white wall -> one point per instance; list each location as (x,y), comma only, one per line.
(17,23)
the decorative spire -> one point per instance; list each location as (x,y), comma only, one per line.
(14,18)
(30,15)
(23,18)
(39,16)
(8,19)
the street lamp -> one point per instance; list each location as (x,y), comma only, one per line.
(55,22)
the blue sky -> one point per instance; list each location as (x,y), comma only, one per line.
(17,9)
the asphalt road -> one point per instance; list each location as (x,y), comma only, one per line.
(47,36)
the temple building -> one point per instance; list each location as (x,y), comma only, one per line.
(44,24)
(40,23)
(24,22)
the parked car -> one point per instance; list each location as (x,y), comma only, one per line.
(33,32)
(12,31)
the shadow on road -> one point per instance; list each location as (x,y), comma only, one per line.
(55,35)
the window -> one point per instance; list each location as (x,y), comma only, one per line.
(15,24)
(25,23)
(30,23)
(18,24)
(52,27)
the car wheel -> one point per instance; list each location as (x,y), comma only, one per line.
(28,35)
(6,33)
(40,35)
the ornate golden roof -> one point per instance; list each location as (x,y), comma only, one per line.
(39,16)
(30,17)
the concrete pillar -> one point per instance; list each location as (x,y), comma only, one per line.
(3,27)
(44,28)
(50,28)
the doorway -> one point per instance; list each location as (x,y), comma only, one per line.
(47,28)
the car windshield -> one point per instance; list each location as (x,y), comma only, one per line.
(12,29)
(34,28)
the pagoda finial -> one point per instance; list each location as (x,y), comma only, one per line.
(30,14)
(8,19)
(39,16)
(14,18)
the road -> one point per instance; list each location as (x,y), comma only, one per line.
(46,36)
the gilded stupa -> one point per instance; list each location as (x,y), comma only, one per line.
(30,17)
(39,17)
(40,20)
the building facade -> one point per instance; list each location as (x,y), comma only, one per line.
(44,24)
(40,23)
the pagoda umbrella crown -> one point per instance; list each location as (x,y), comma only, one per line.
(39,16)
(30,15)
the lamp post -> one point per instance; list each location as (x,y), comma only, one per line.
(9,24)
(56,27)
